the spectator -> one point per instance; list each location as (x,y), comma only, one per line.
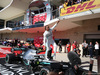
(16,41)
(12,43)
(90,47)
(5,42)
(61,6)
(70,2)
(19,44)
(74,2)
(84,47)
(96,49)
(57,12)
(54,11)
(79,1)
(68,47)
(22,43)
(84,0)
(60,46)
(65,4)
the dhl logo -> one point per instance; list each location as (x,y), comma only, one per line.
(80,7)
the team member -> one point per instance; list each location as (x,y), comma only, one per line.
(74,46)
(68,47)
(85,47)
(96,49)
(90,47)
(60,46)
(48,40)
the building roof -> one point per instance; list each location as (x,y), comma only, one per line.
(13,8)
(6,30)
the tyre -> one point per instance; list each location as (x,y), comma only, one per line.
(44,71)
(10,58)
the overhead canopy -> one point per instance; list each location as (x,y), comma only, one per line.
(6,30)
(31,30)
(4,3)
(16,7)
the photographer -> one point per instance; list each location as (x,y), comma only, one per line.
(75,63)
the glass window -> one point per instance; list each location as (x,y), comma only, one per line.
(41,10)
(63,41)
(1,8)
(98,27)
(15,22)
(1,23)
(36,12)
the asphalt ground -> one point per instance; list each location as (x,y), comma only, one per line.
(12,69)
(85,62)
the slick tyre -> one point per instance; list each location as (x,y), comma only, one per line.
(10,58)
(44,71)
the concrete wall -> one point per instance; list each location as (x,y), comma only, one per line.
(88,27)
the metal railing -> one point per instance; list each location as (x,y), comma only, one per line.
(15,24)
(35,19)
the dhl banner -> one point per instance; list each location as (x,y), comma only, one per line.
(91,4)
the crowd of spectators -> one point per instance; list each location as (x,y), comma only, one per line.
(69,3)
(56,10)
(12,43)
(16,43)
(72,2)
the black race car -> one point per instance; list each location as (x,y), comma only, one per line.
(36,63)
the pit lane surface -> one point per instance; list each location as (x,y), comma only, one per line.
(12,69)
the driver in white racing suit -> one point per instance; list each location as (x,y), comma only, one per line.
(48,40)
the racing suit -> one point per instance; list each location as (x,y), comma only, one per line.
(48,40)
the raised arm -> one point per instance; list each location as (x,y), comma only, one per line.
(44,41)
(54,26)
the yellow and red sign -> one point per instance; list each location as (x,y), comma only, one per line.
(92,4)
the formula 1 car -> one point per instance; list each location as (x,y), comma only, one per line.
(37,64)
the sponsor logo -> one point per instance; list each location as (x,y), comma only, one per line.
(4,51)
(80,7)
